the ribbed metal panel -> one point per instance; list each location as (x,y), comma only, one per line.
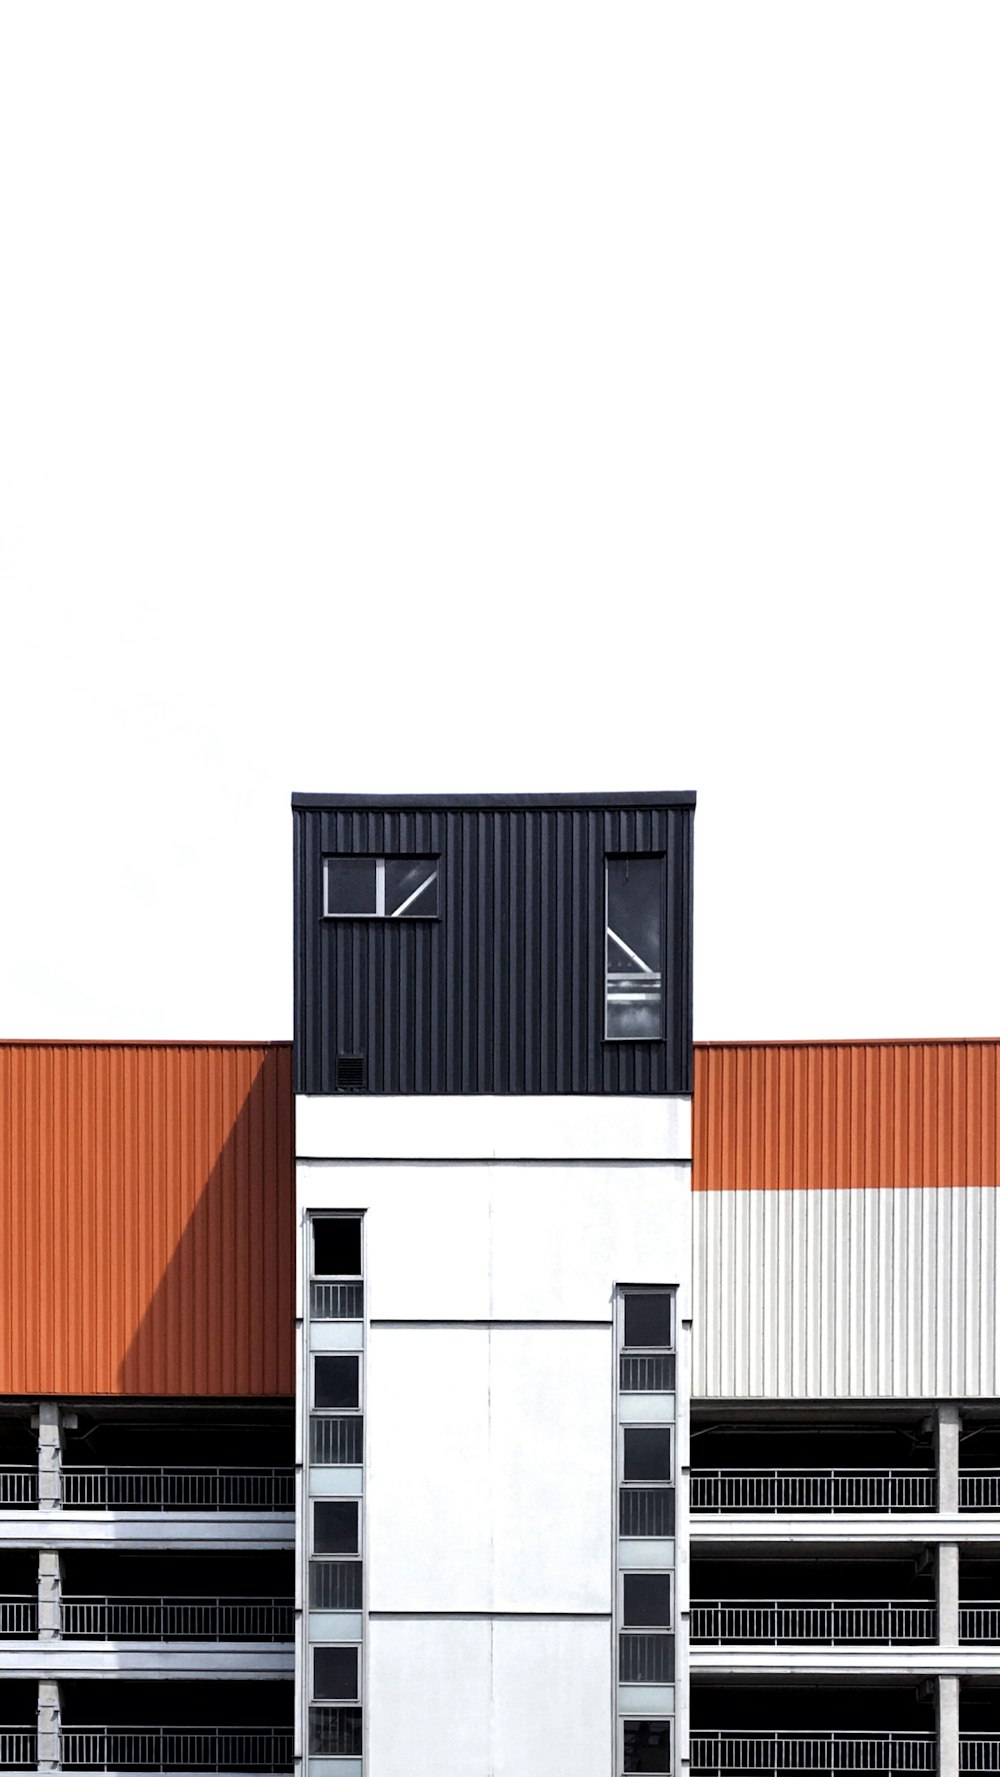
(146,1219)
(505,991)
(786,1116)
(846,1211)
(847,1293)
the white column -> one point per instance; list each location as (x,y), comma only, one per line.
(49,1594)
(46,1421)
(49,1723)
(50,1422)
(947,1594)
(949,1426)
(947,1727)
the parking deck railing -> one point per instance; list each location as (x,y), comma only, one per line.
(177,1489)
(979,1490)
(19,1614)
(178,1619)
(813,1490)
(979,1752)
(828,1622)
(177,1749)
(18,1484)
(18,1749)
(720,1751)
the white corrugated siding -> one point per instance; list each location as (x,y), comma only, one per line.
(860,1293)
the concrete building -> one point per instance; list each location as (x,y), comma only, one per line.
(493,1076)
(390,1402)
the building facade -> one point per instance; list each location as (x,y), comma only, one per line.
(491,1381)
(493,1076)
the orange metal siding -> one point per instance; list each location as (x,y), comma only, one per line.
(793,1116)
(146,1219)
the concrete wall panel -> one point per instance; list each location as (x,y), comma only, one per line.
(551,1448)
(428,1499)
(429,1698)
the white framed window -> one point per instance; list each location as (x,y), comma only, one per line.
(635,907)
(336,1527)
(336,1382)
(336,1245)
(336,1673)
(645,1746)
(647,1454)
(380,888)
(646,1598)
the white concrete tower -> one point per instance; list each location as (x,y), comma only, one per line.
(493,1074)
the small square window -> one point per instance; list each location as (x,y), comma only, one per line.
(337,1380)
(647,1452)
(646,1600)
(648,1319)
(335,1674)
(335,1527)
(646,1746)
(337,1246)
(350,887)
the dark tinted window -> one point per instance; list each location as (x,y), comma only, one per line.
(647,1318)
(647,1452)
(337,1246)
(647,1746)
(410,887)
(334,1733)
(336,1380)
(647,1600)
(634,985)
(350,886)
(335,1526)
(335,1674)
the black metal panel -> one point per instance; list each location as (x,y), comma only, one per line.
(504,991)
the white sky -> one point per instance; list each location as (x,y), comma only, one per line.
(483,397)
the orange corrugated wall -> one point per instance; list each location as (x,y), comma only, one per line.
(146,1219)
(788,1116)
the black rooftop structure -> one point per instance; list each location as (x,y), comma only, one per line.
(493,944)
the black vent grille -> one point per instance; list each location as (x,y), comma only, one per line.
(350,1073)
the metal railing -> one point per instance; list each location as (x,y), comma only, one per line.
(336,1438)
(833,1622)
(178,1489)
(813,1490)
(177,1749)
(722,1750)
(979,1490)
(979,1752)
(18,1749)
(979,1621)
(179,1619)
(336,1301)
(18,1484)
(19,1614)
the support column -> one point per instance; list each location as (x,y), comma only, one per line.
(49,1725)
(949,1426)
(49,1594)
(949,1749)
(50,1422)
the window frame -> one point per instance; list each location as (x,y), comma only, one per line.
(336,1412)
(657,1573)
(316,1647)
(380,859)
(648,1289)
(347,1215)
(668,1480)
(666,1721)
(620,857)
(346,1499)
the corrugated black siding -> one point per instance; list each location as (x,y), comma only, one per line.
(505,991)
